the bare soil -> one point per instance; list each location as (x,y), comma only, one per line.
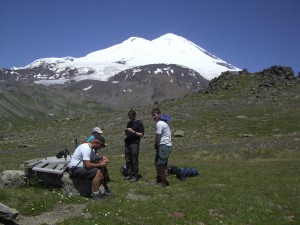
(58,215)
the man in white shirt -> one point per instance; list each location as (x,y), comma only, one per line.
(163,146)
(83,166)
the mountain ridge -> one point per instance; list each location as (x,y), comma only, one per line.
(133,73)
(28,103)
(133,52)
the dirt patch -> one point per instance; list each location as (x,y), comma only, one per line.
(135,197)
(60,213)
(132,196)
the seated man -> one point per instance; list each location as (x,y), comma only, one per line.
(96,132)
(83,166)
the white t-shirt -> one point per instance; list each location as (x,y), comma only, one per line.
(163,129)
(82,152)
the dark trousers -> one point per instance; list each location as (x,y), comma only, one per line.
(132,159)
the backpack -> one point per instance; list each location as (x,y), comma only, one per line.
(183,173)
(172,170)
(166,118)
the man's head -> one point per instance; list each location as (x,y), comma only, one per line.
(131,114)
(97,130)
(155,114)
(98,142)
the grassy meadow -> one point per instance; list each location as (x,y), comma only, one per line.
(245,146)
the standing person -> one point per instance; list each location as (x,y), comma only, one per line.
(163,146)
(96,131)
(134,131)
(83,166)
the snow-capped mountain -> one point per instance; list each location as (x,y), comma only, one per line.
(133,73)
(103,64)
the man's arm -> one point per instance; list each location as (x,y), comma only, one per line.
(140,134)
(157,139)
(87,164)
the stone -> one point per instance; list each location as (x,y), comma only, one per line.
(76,186)
(242,117)
(246,135)
(13,179)
(179,133)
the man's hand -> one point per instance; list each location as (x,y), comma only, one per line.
(104,162)
(105,159)
(129,130)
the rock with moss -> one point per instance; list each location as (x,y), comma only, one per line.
(12,179)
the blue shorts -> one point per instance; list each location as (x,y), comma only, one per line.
(162,155)
(83,173)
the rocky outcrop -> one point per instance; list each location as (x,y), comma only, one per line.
(12,179)
(274,77)
(75,186)
(157,74)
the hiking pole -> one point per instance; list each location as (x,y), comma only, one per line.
(66,153)
(76,143)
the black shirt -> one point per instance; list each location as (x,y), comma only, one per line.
(137,126)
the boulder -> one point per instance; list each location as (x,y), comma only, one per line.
(76,186)
(179,133)
(12,179)
(246,135)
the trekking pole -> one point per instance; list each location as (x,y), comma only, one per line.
(76,143)
(66,153)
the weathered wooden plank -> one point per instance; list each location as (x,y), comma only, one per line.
(51,165)
(42,164)
(7,213)
(61,166)
(54,159)
(32,164)
(47,170)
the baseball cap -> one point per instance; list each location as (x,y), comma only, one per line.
(100,138)
(98,130)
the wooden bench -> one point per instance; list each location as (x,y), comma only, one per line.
(49,170)
(53,171)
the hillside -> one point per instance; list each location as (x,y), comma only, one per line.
(235,107)
(24,103)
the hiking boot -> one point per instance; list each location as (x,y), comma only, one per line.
(164,183)
(133,179)
(158,179)
(99,197)
(127,178)
(107,193)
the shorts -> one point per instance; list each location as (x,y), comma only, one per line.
(83,173)
(162,155)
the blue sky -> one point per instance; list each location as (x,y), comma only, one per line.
(250,34)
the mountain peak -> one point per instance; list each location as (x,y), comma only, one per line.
(135,51)
(170,39)
(135,40)
(170,36)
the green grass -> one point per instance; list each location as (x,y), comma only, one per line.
(259,191)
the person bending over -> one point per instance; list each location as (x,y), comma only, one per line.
(83,166)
